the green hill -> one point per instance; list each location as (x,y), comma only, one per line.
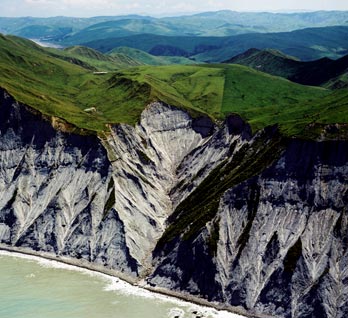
(100,61)
(121,28)
(306,44)
(219,23)
(146,58)
(325,72)
(269,61)
(226,22)
(67,91)
(53,28)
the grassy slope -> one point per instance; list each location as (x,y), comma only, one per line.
(318,72)
(217,90)
(120,28)
(62,89)
(146,58)
(340,81)
(32,76)
(99,60)
(269,61)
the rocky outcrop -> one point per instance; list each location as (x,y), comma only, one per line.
(258,222)
(281,239)
(54,187)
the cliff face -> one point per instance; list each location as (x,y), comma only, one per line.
(252,221)
(53,191)
(281,239)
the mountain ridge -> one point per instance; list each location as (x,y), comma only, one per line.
(305,44)
(325,71)
(208,23)
(88,102)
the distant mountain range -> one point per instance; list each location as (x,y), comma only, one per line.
(219,23)
(204,37)
(305,44)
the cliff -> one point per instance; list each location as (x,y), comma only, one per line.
(257,222)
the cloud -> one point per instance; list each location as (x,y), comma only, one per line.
(35,2)
(93,3)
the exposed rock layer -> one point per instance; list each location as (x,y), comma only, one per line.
(267,230)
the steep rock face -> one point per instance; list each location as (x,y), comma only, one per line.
(281,239)
(105,201)
(252,221)
(144,161)
(53,191)
(150,161)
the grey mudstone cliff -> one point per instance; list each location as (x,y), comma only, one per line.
(258,222)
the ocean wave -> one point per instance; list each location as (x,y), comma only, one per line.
(114,284)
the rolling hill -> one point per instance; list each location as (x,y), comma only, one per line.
(53,28)
(73,94)
(99,61)
(219,23)
(269,61)
(327,72)
(146,58)
(306,44)
(226,22)
(120,28)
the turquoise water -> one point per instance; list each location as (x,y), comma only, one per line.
(34,287)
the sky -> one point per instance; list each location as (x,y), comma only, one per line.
(88,8)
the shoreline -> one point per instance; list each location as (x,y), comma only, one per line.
(82,264)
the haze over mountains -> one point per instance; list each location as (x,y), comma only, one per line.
(219,23)
(205,37)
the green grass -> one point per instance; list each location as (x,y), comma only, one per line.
(56,87)
(340,81)
(323,72)
(306,44)
(93,59)
(265,100)
(268,61)
(146,58)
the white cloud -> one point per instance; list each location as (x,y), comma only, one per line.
(35,2)
(92,3)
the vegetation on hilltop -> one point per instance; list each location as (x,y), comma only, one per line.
(221,23)
(58,88)
(100,61)
(306,44)
(146,58)
(325,72)
(119,28)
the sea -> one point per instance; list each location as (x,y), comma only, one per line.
(35,287)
